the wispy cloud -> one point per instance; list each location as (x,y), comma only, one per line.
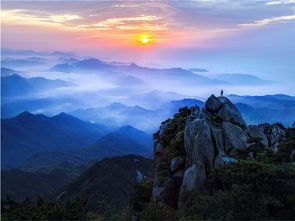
(280,2)
(27,17)
(267,21)
(120,22)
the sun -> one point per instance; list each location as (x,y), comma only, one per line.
(144,39)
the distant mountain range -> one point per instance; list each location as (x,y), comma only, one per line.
(8,71)
(12,106)
(242,79)
(34,142)
(255,109)
(17,86)
(175,75)
(270,108)
(17,62)
(86,64)
(11,52)
(125,140)
(187,77)
(117,114)
(141,91)
(27,133)
(276,101)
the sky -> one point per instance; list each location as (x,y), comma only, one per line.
(248,37)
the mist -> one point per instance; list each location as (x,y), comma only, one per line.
(91,86)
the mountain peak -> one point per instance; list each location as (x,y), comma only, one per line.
(133,65)
(25,114)
(14,76)
(64,115)
(127,127)
(91,61)
(116,105)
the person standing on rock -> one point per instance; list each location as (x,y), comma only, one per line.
(221,92)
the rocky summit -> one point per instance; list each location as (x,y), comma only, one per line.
(212,136)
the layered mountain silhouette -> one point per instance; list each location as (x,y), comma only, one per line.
(32,53)
(242,79)
(125,140)
(117,114)
(27,133)
(190,77)
(34,142)
(268,108)
(143,73)
(8,71)
(16,85)
(16,62)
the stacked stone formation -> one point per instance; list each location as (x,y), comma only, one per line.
(212,138)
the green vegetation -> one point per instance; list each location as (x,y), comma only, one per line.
(44,210)
(107,185)
(256,150)
(142,195)
(173,141)
(173,134)
(19,184)
(260,186)
(246,190)
(163,171)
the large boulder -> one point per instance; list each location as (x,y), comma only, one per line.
(177,163)
(198,143)
(217,139)
(194,178)
(275,134)
(276,137)
(229,112)
(213,104)
(235,138)
(258,131)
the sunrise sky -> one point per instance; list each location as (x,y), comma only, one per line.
(253,37)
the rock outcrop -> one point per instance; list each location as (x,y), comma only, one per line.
(212,137)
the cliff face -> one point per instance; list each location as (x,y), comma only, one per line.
(208,138)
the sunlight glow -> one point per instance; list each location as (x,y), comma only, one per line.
(144,39)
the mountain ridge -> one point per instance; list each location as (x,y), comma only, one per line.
(44,133)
